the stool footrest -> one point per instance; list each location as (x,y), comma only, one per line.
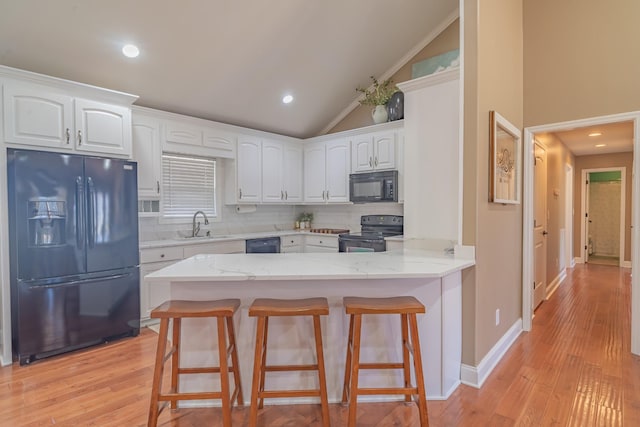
(169,354)
(288,393)
(399,390)
(210,370)
(284,368)
(190,396)
(381,366)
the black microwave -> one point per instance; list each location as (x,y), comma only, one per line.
(373,187)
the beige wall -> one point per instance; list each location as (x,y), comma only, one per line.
(448,40)
(494,59)
(558,157)
(581,59)
(596,162)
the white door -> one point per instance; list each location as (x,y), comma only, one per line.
(33,116)
(249,170)
(337,180)
(102,128)
(539,225)
(272,185)
(314,172)
(146,151)
(292,173)
(385,150)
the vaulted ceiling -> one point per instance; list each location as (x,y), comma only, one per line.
(225,60)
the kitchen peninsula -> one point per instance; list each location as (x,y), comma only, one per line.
(433,278)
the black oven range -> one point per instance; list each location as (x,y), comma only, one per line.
(373,230)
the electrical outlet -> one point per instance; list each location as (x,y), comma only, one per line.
(497,316)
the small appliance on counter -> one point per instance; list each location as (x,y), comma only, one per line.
(74,262)
(373,230)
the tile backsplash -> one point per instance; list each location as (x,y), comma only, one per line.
(269,218)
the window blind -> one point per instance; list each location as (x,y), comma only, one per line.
(188,185)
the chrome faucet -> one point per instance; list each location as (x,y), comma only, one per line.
(196,226)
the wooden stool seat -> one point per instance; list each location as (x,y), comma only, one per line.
(392,305)
(263,308)
(407,307)
(176,310)
(289,307)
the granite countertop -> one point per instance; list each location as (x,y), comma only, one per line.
(403,263)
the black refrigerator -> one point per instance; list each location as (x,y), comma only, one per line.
(73,252)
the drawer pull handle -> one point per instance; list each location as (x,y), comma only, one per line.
(161,255)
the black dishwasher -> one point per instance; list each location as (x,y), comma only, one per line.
(267,245)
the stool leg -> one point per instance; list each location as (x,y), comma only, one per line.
(224,373)
(347,365)
(175,359)
(353,389)
(257,358)
(324,401)
(405,354)
(158,372)
(263,366)
(417,362)
(234,359)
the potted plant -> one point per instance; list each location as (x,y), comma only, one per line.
(305,219)
(378,94)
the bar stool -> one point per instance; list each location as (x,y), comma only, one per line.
(177,310)
(263,308)
(406,307)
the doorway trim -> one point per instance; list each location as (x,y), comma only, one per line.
(584,207)
(527,216)
(568,221)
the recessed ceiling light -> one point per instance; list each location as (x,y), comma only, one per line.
(130,51)
(287,99)
(595,134)
(601,145)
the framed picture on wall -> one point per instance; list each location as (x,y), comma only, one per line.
(505,143)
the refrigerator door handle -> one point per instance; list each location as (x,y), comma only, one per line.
(81,281)
(80,226)
(91,204)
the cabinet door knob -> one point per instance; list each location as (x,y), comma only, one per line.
(375,162)
(161,255)
(79,137)
(370,162)
(286,195)
(281,195)
(68,134)
(158,187)
(240,192)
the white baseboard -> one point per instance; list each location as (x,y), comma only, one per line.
(553,286)
(573,263)
(475,376)
(625,264)
(5,362)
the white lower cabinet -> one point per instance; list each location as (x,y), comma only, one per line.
(152,294)
(323,243)
(153,259)
(291,244)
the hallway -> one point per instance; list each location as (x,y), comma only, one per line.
(574,368)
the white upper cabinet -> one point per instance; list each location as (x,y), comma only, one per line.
(188,135)
(326,171)
(147,152)
(249,170)
(272,168)
(33,115)
(281,172)
(102,128)
(42,116)
(182,133)
(373,151)
(292,172)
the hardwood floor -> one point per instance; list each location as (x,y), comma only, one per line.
(575,368)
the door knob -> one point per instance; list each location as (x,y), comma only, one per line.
(544,233)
